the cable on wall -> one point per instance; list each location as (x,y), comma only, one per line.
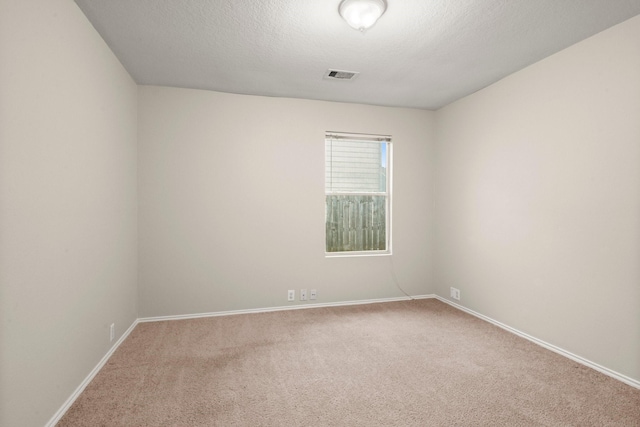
(395,279)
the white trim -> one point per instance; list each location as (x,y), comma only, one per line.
(282,308)
(356,137)
(354,254)
(616,375)
(390,172)
(65,407)
(355,193)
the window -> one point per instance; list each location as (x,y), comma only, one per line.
(357,194)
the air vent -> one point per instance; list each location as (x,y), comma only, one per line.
(340,75)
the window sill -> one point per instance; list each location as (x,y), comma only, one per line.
(355,254)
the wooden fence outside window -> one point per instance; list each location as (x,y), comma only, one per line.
(356,223)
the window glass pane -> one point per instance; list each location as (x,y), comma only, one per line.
(356,223)
(355,166)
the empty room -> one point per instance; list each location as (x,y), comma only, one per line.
(311,213)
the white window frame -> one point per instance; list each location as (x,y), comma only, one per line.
(388,193)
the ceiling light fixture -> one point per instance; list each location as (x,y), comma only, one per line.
(362,14)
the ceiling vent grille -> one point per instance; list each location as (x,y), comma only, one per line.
(340,75)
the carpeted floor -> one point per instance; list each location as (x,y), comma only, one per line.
(413,363)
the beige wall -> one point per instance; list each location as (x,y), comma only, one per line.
(67,205)
(538,199)
(231,202)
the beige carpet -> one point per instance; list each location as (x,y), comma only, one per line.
(413,363)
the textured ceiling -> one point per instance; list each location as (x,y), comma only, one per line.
(421,53)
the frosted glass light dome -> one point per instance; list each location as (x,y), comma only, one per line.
(362,14)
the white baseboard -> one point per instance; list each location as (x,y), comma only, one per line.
(65,407)
(618,376)
(282,308)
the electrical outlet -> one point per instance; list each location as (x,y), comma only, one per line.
(112,332)
(455,294)
(313,294)
(291,295)
(303,294)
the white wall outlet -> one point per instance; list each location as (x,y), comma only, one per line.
(313,294)
(455,294)
(112,332)
(303,294)
(291,295)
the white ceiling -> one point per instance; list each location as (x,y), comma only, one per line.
(421,53)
